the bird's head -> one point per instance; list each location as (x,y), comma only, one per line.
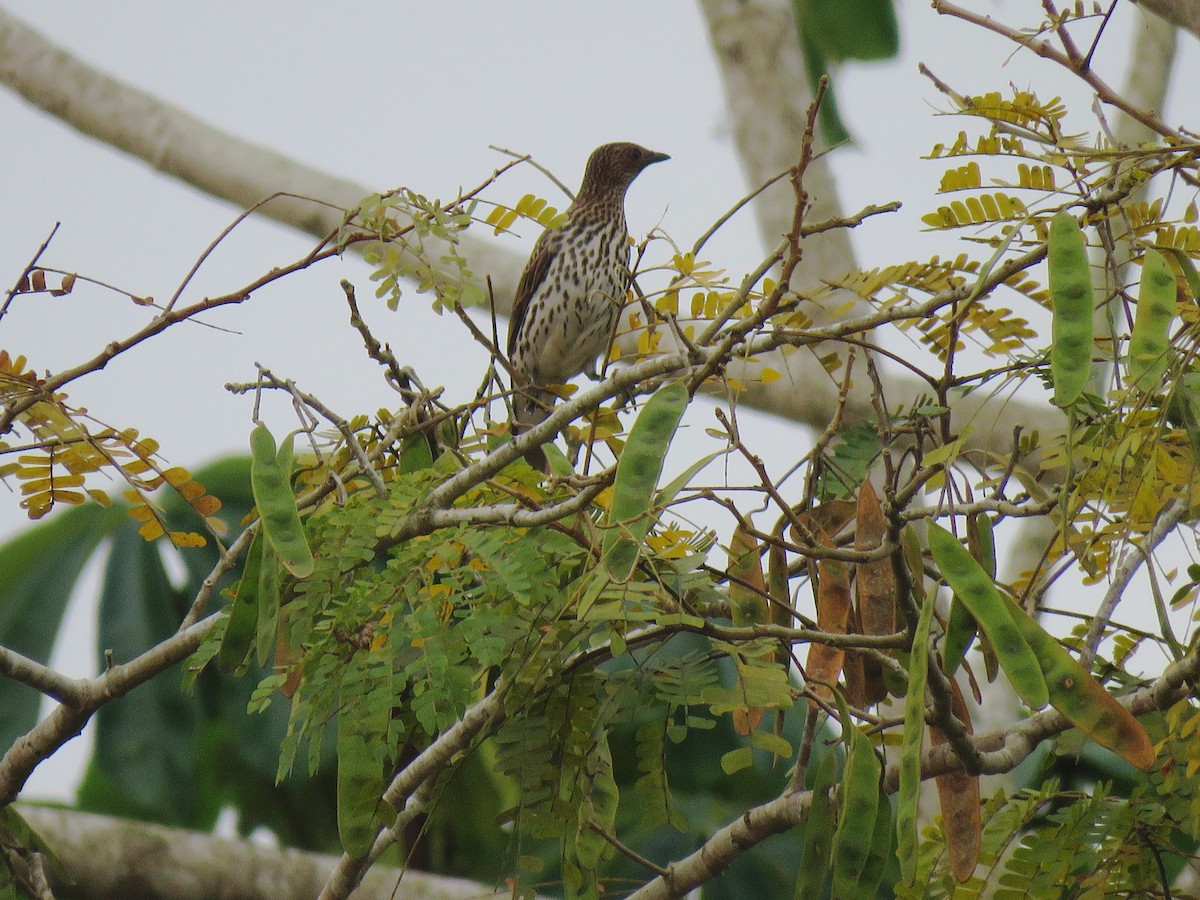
(612,168)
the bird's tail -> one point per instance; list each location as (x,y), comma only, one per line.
(531,406)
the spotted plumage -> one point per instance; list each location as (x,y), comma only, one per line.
(570,295)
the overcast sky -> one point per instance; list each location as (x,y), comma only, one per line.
(389,93)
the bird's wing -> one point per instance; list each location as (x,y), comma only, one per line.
(531,279)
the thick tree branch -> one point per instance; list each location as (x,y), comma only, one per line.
(196,153)
(105,857)
(1184,13)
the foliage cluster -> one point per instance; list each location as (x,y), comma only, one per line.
(580,655)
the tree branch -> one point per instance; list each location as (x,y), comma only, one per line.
(104,857)
(194,152)
(66,722)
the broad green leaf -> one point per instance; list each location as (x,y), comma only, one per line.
(145,763)
(415,453)
(849,29)
(38,572)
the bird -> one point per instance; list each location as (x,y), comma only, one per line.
(571,292)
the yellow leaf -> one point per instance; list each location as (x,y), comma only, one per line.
(769,375)
(604,498)
(177,475)
(206,505)
(190,490)
(186,539)
(152,530)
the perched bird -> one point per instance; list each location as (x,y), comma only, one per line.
(570,295)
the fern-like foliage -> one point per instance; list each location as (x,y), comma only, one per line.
(1051,843)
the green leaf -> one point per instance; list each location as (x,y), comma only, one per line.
(361,767)
(145,763)
(637,475)
(38,571)
(736,760)
(849,29)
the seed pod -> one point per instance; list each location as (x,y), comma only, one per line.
(960,626)
(243,612)
(1083,700)
(979,594)
(638,471)
(910,748)
(1071,296)
(860,804)
(818,832)
(276,503)
(1149,344)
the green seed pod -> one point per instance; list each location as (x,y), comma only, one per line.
(1071,296)
(818,832)
(960,626)
(910,748)
(243,612)
(860,803)
(882,846)
(1083,700)
(637,475)
(1149,344)
(276,503)
(983,600)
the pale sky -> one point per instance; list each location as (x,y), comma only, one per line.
(389,93)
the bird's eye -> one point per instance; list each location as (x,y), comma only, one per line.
(632,153)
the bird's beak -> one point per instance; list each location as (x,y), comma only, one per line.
(657,157)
